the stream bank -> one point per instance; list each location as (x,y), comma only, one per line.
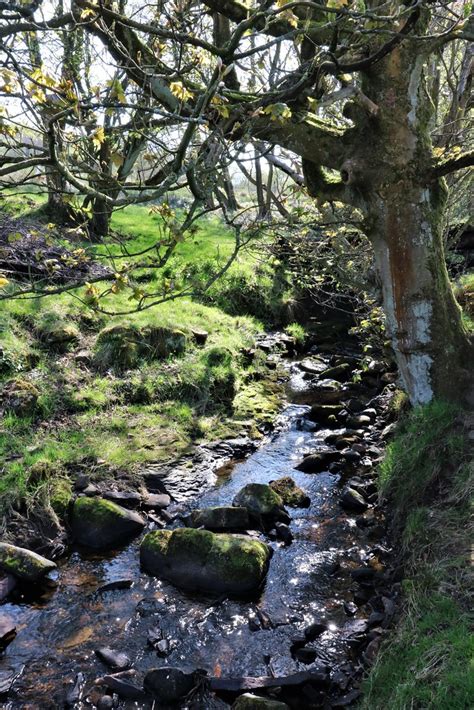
(326,603)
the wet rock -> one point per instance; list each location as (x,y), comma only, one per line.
(370,412)
(360,420)
(248,701)
(24,564)
(313,366)
(105,702)
(74,694)
(262,502)
(123,684)
(101,523)
(344,701)
(168,684)
(314,630)
(305,655)
(318,675)
(340,372)
(115,585)
(81,482)
(154,483)
(149,606)
(351,500)
(163,647)
(114,659)
(220,518)
(316,463)
(129,499)
(284,533)
(157,500)
(327,392)
(7,585)
(363,574)
(7,632)
(90,490)
(291,494)
(205,561)
(351,457)
(350,608)
(7,678)
(325,413)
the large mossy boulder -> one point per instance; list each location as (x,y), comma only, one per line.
(290,493)
(220,518)
(263,503)
(200,560)
(24,564)
(121,346)
(248,701)
(100,523)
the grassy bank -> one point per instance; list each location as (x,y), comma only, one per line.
(104,395)
(428,477)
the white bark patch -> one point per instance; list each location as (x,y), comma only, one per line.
(419,371)
(422,312)
(413,88)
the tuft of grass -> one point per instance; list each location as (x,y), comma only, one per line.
(296,331)
(428,477)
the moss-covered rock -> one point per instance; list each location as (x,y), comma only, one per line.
(24,564)
(205,561)
(220,518)
(100,523)
(20,397)
(262,502)
(121,346)
(57,334)
(247,701)
(290,493)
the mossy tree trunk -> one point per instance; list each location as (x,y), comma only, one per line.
(388,174)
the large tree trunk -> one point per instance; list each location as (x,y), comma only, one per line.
(405,207)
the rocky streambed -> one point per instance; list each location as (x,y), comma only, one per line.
(265,577)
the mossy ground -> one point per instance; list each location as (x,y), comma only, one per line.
(98,420)
(428,476)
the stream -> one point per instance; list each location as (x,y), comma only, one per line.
(60,625)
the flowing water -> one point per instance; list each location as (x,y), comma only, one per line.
(59,628)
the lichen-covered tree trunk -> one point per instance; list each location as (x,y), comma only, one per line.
(405,207)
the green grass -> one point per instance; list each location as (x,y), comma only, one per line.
(159,408)
(414,461)
(427,474)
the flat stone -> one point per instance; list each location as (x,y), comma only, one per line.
(129,499)
(248,701)
(157,500)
